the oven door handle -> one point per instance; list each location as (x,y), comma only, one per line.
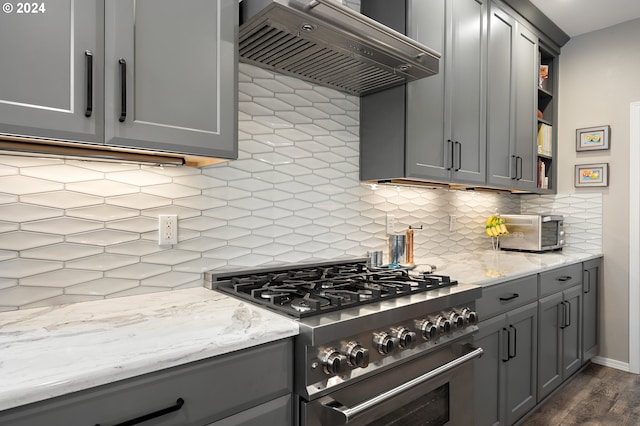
(338,414)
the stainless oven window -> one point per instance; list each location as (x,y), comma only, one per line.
(549,233)
(431,409)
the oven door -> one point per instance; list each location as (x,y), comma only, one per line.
(435,389)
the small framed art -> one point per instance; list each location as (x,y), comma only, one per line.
(592,138)
(592,175)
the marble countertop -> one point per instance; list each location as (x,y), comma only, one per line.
(491,267)
(52,351)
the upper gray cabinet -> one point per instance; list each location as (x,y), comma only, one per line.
(511,103)
(434,129)
(446,113)
(178,61)
(155,75)
(51,71)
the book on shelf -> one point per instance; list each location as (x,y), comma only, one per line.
(545,139)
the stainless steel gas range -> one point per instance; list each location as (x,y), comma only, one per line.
(376,346)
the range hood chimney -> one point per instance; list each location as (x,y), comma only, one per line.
(326,43)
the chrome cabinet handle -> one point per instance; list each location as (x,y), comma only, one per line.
(338,414)
(563,316)
(88,58)
(178,405)
(567,318)
(123,90)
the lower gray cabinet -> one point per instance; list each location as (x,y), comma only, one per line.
(233,389)
(560,336)
(590,280)
(505,376)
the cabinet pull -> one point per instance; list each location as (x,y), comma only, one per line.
(515,162)
(587,282)
(178,405)
(506,357)
(564,278)
(450,146)
(515,342)
(88,60)
(567,318)
(518,168)
(123,90)
(563,316)
(513,296)
(459,145)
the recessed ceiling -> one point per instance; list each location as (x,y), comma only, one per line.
(577,17)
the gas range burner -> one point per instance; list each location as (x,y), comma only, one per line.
(321,288)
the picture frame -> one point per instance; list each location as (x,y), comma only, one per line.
(592,175)
(592,138)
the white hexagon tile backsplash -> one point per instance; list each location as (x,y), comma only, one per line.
(72,230)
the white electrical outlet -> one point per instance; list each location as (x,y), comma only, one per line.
(167,229)
(452,223)
(390,223)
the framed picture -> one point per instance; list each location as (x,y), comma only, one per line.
(592,138)
(592,175)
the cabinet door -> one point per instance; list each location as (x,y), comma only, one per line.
(488,380)
(179,91)
(526,92)
(428,150)
(44,90)
(590,310)
(571,332)
(521,369)
(549,344)
(466,89)
(500,103)
(446,113)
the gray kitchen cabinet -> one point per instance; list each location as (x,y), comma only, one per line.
(180,65)
(434,129)
(247,387)
(511,102)
(46,58)
(590,280)
(505,376)
(560,336)
(154,75)
(446,122)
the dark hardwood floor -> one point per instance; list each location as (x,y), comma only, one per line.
(596,396)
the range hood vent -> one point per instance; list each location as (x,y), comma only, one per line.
(326,43)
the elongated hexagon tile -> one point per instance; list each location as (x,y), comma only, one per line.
(60,278)
(101,287)
(22,240)
(22,185)
(103,237)
(61,252)
(62,199)
(22,295)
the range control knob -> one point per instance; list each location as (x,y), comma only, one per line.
(385,343)
(457,321)
(429,330)
(357,356)
(333,362)
(406,338)
(470,317)
(443,324)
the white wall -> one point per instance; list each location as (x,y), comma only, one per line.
(599,78)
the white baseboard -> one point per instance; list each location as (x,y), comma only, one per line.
(608,362)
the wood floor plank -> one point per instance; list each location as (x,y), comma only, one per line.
(597,396)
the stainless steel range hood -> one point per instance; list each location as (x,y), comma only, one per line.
(326,43)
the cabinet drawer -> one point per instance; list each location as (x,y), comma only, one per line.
(560,279)
(500,298)
(212,390)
